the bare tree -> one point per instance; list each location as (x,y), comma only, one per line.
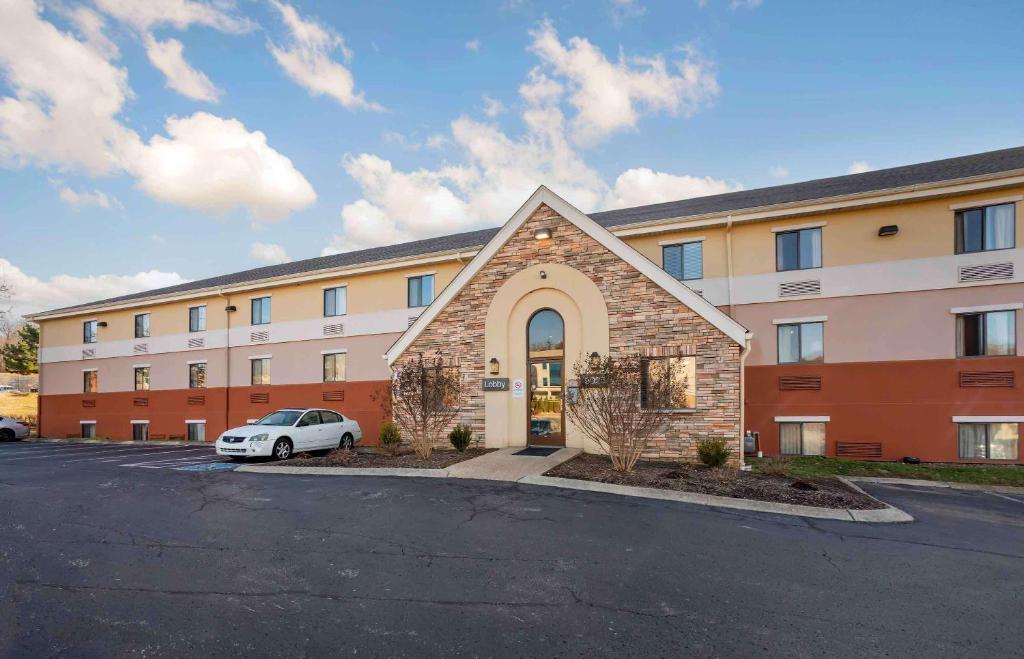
(622,402)
(8,322)
(426,396)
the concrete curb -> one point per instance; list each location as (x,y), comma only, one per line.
(888,514)
(973,487)
(346,471)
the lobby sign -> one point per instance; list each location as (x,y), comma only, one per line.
(495,384)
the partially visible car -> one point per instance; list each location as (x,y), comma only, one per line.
(34,389)
(11,429)
(4,388)
(286,432)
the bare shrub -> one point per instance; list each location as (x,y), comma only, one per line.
(773,467)
(426,396)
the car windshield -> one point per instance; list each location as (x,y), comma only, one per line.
(281,418)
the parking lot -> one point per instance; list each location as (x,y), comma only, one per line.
(110,550)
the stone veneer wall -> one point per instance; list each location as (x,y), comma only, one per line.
(642,317)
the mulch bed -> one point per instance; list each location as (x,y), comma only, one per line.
(822,493)
(343,458)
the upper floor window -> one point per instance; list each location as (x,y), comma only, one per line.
(141,325)
(89,331)
(260,370)
(986,334)
(197,319)
(668,383)
(801,343)
(684,261)
(798,250)
(421,290)
(261,310)
(986,228)
(89,381)
(335,301)
(197,375)
(989,441)
(334,367)
(141,378)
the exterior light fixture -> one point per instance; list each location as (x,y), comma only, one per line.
(542,234)
(102,323)
(889,230)
(543,275)
(494,366)
(230,308)
(595,358)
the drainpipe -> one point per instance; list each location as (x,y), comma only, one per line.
(227,361)
(728,259)
(743,394)
(39,384)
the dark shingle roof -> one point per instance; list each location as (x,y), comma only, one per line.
(980,164)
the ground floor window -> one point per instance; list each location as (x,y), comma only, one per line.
(334,367)
(260,371)
(802,438)
(88,429)
(196,431)
(140,431)
(989,441)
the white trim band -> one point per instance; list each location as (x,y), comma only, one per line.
(1009,306)
(802,419)
(136,422)
(336,351)
(796,321)
(797,227)
(92,421)
(988,419)
(420,274)
(682,240)
(197,361)
(260,357)
(986,202)
(202,421)
(142,366)
(90,370)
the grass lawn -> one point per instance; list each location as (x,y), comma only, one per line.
(820,467)
(18,405)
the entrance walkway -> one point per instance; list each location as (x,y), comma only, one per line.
(504,465)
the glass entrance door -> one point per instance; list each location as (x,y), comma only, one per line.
(547,418)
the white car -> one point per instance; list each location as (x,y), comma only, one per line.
(285,432)
(4,388)
(11,429)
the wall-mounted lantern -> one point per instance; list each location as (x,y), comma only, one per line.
(230,308)
(889,230)
(542,234)
(494,366)
(102,323)
(595,359)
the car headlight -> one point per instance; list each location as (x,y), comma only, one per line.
(262,437)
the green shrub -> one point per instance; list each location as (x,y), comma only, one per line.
(713,452)
(460,437)
(390,438)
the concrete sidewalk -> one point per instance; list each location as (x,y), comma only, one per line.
(505,465)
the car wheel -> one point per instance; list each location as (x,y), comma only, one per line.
(282,449)
(347,442)
(6,435)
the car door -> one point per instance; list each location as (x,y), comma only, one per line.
(333,428)
(308,431)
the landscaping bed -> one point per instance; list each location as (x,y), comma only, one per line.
(822,467)
(362,460)
(723,482)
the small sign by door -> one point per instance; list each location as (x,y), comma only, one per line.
(518,388)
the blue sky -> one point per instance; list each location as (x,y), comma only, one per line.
(145,142)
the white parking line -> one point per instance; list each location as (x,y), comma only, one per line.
(25,450)
(171,461)
(127,455)
(95,454)
(1003,496)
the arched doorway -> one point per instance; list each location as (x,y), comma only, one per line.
(545,355)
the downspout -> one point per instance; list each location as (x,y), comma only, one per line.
(728,260)
(743,395)
(227,360)
(39,384)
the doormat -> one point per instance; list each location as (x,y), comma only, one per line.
(539,451)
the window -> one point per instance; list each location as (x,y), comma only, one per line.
(421,290)
(986,334)
(989,441)
(801,343)
(89,381)
(197,376)
(196,431)
(140,431)
(984,229)
(260,370)
(141,325)
(668,383)
(141,378)
(197,319)
(326,416)
(88,430)
(684,261)
(334,367)
(310,419)
(261,310)
(89,331)
(802,438)
(798,250)
(335,301)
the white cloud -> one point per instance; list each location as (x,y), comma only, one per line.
(622,10)
(492,106)
(473,46)
(745,4)
(640,186)
(306,59)
(496,173)
(167,56)
(90,25)
(65,113)
(778,171)
(269,253)
(611,96)
(859,167)
(34,294)
(144,15)
(218,165)
(84,198)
